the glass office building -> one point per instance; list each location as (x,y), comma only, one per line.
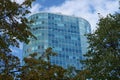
(65,34)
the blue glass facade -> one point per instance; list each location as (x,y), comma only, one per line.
(65,34)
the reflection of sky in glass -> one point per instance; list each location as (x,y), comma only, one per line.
(64,34)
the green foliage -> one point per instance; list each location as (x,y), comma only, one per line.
(8,63)
(70,73)
(82,75)
(103,56)
(13,29)
(39,69)
(13,24)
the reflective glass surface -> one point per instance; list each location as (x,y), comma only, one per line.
(65,34)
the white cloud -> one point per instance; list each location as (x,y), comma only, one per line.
(87,9)
(35,8)
(18,1)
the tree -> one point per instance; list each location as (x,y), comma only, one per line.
(8,63)
(70,73)
(13,29)
(103,56)
(13,24)
(82,75)
(40,68)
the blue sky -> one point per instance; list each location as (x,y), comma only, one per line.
(49,3)
(87,9)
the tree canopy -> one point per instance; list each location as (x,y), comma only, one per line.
(13,24)
(103,57)
(13,29)
(41,69)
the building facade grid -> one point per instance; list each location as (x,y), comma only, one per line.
(65,34)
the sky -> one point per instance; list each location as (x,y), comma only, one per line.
(87,9)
